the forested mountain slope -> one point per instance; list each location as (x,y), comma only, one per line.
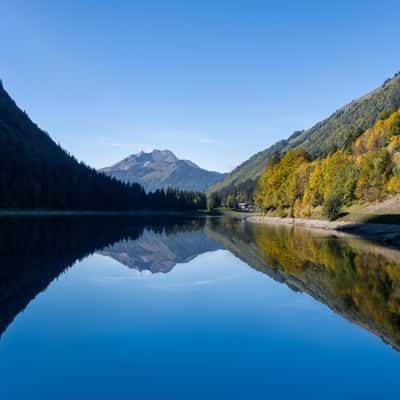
(36,173)
(322,138)
(365,169)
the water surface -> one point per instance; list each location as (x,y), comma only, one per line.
(115,308)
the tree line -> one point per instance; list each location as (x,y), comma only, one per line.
(232,195)
(74,186)
(36,173)
(365,169)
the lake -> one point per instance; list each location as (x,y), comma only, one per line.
(213,308)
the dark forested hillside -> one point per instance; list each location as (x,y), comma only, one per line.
(36,173)
(323,138)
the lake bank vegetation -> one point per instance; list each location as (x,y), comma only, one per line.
(366,169)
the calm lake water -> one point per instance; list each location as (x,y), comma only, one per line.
(107,308)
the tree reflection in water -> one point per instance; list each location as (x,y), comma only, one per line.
(358,280)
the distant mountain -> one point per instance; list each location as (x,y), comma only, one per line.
(321,139)
(36,173)
(161,169)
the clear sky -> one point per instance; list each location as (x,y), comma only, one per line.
(213,81)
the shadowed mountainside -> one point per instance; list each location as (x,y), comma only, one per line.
(37,174)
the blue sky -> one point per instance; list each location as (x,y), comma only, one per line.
(213,81)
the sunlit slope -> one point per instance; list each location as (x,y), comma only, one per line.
(326,135)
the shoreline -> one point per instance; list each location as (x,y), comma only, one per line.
(66,213)
(384,233)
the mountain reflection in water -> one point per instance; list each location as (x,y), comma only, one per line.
(358,280)
(159,251)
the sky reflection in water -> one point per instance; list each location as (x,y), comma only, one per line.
(212,324)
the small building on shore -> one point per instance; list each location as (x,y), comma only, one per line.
(245,207)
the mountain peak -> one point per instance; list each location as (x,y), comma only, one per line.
(160,169)
(164,155)
(156,155)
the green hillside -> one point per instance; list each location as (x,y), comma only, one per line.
(321,139)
